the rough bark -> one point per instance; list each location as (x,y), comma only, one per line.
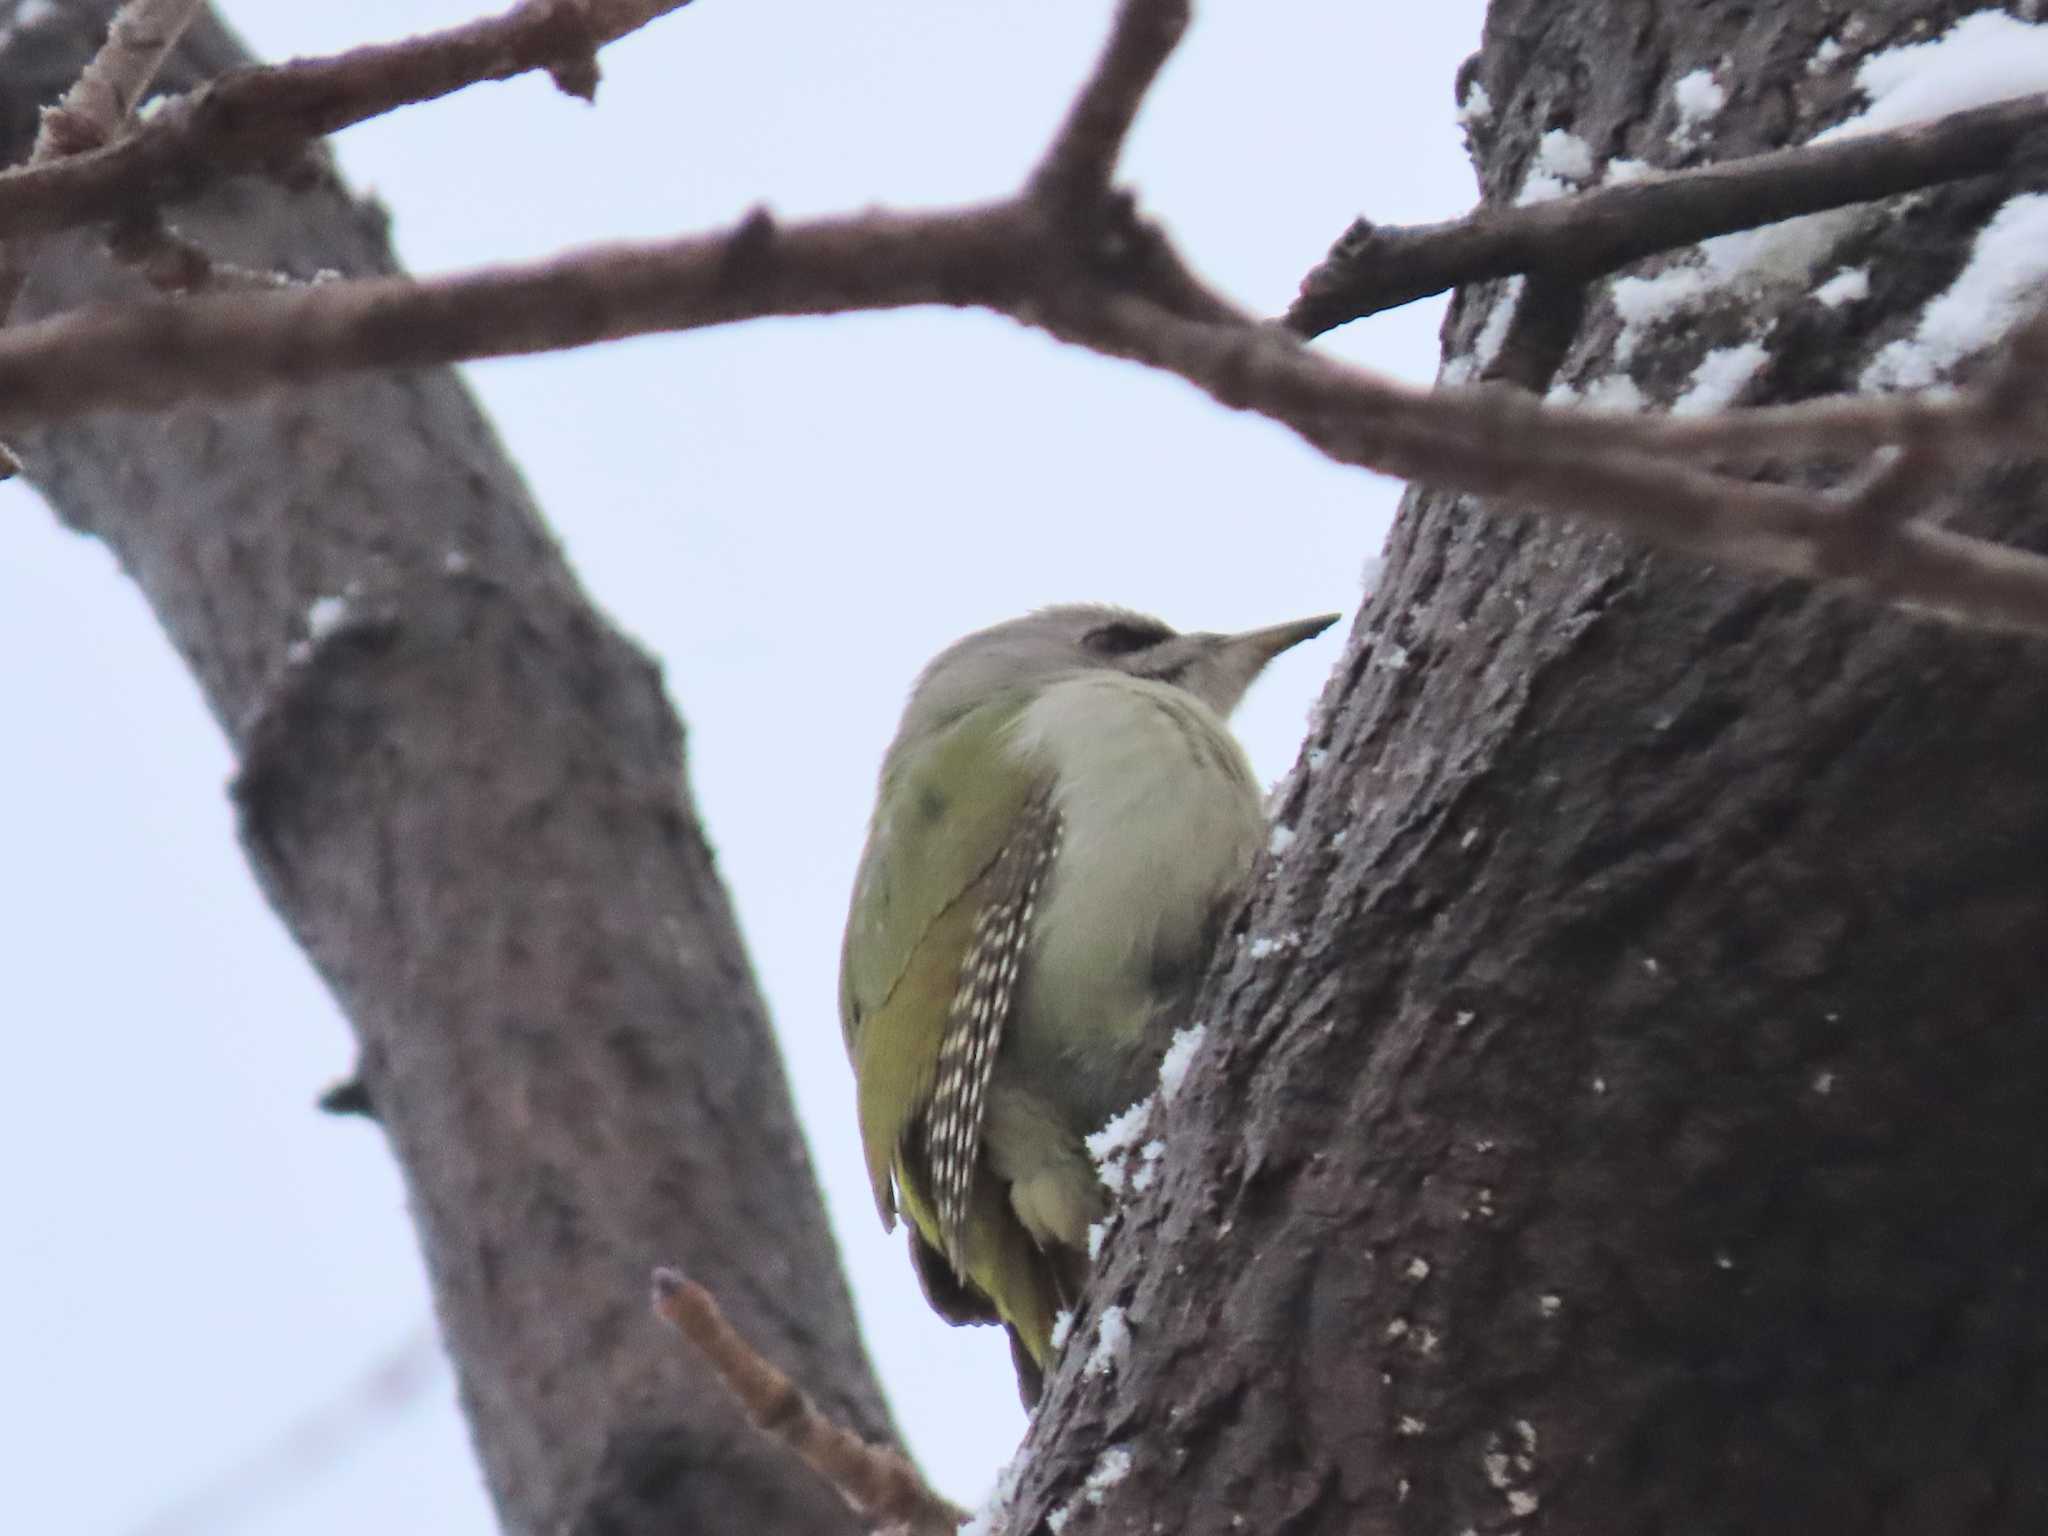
(1628,1116)
(464,793)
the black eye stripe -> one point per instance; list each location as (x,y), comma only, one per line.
(1123,636)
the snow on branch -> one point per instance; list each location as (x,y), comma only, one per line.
(1071,256)
(1587,235)
(1969,101)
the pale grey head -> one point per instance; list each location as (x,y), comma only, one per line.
(1075,637)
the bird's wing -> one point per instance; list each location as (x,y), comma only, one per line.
(1005,903)
(947,810)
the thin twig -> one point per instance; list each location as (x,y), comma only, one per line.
(93,112)
(300,1451)
(1837,426)
(255,117)
(99,104)
(1589,234)
(170,263)
(877,1483)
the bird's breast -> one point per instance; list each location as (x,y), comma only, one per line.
(1159,819)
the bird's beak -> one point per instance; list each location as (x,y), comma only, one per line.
(1234,660)
(1265,644)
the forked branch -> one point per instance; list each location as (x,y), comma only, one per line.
(1069,255)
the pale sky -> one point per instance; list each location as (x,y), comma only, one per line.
(794,515)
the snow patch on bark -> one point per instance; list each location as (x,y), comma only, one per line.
(2000,286)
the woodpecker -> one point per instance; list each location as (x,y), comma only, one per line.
(1063,823)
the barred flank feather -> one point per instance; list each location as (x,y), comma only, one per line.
(975,1020)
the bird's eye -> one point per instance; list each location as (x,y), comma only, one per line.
(1123,637)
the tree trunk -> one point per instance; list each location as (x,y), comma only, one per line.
(1627,1114)
(1621,1110)
(464,793)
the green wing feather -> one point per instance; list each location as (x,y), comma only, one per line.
(947,805)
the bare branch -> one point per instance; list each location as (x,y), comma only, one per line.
(1497,443)
(1589,234)
(98,106)
(1078,167)
(254,117)
(171,263)
(152,353)
(1902,484)
(1096,275)
(2010,399)
(1615,470)
(100,103)
(876,1483)
(93,112)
